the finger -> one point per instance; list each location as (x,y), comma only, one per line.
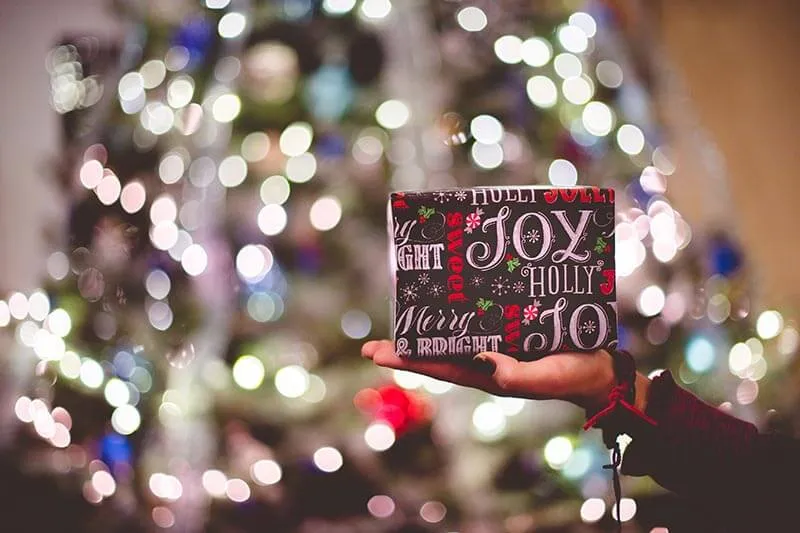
(385,356)
(532,379)
(371,347)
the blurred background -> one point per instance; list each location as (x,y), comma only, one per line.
(193,248)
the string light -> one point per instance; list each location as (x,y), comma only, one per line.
(562,173)
(471,19)
(266,472)
(572,38)
(488,421)
(231,25)
(272,219)
(325,213)
(375,9)
(769,324)
(248,372)
(536,52)
(292,381)
(381,506)
(592,510)
(557,452)
(338,7)
(214,482)
(542,91)
(379,436)
(226,107)
(328,459)
(508,49)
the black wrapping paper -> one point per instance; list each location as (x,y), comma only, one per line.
(527,271)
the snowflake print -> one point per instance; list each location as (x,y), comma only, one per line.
(409,293)
(589,326)
(519,287)
(460,195)
(436,290)
(500,286)
(532,236)
(476,281)
(442,196)
(424,278)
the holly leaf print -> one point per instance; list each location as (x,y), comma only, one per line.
(484,304)
(512,264)
(425,213)
(600,245)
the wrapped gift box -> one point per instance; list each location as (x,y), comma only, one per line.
(527,271)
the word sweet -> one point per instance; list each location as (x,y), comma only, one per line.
(455,261)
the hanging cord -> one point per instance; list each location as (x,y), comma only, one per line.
(611,418)
(616,460)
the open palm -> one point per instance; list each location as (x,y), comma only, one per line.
(581,378)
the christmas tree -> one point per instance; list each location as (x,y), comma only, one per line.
(192,362)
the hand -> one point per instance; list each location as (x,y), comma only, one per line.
(584,379)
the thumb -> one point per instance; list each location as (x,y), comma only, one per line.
(510,375)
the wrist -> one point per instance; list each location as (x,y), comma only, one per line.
(596,396)
(642,392)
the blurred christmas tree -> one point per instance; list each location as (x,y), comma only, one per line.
(196,348)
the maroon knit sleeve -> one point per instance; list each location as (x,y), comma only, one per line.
(696,447)
(723,466)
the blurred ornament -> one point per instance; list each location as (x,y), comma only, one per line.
(181,356)
(329,92)
(115,451)
(400,408)
(453,129)
(91,284)
(196,35)
(366,58)
(725,255)
(270,72)
(333,145)
(567,148)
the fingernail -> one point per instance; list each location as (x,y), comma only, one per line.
(484,365)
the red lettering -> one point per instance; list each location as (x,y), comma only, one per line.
(455,283)
(456,297)
(454,220)
(586,195)
(455,263)
(607,287)
(511,311)
(454,241)
(569,195)
(551,196)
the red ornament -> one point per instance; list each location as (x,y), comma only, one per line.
(421,220)
(509,257)
(401,409)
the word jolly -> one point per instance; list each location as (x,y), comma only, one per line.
(481,255)
(420,256)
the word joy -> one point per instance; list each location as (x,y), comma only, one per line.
(481,255)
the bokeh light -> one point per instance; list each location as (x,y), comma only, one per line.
(328,459)
(248,372)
